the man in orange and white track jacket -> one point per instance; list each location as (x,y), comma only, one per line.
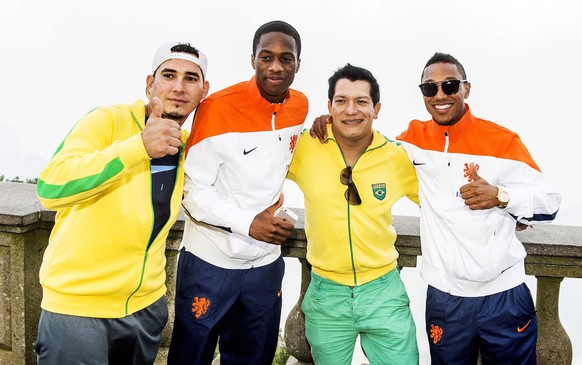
(230,267)
(477,181)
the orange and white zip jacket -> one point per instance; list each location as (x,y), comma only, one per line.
(474,253)
(238,155)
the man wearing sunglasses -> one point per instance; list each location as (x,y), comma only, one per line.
(477,185)
(477,182)
(350,184)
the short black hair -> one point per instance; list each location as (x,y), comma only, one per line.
(185,48)
(277,26)
(439,57)
(354,73)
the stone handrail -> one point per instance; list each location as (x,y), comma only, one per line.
(554,252)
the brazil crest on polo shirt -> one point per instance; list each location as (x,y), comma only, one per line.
(379,190)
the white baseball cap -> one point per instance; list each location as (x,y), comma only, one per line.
(165,53)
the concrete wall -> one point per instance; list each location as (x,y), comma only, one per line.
(554,252)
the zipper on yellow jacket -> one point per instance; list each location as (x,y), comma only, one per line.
(349,208)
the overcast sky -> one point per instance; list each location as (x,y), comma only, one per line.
(60,59)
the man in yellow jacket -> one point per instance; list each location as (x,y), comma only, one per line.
(116,183)
(350,183)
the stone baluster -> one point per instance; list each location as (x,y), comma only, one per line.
(554,346)
(295,325)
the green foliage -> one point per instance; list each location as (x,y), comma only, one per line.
(17,179)
(281,356)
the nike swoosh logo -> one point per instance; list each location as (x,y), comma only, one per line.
(521,329)
(416,163)
(245,152)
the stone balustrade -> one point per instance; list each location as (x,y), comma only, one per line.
(554,252)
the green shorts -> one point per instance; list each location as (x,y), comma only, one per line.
(378,311)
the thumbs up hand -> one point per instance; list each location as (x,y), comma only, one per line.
(278,204)
(265,227)
(157,107)
(160,136)
(478,194)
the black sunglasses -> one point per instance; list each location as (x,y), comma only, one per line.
(449,87)
(351,194)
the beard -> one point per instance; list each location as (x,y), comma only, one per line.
(173,115)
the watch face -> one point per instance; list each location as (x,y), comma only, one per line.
(502,197)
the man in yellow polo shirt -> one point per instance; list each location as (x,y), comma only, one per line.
(350,184)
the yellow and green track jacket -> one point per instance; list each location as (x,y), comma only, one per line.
(99,261)
(351,244)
